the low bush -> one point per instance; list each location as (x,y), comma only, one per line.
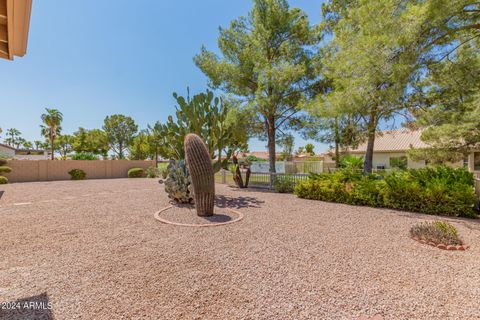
(84,156)
(436,232)
(284,184)
(440,191)
(135,173)
(5,169)
(153,172)
(77,174)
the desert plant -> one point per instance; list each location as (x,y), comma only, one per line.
(153,172)
(201,170)
(163,172)
(4,169)
(284,184)
(84,156)
(178,183)
(135,173)
(351,162)
(438,232)
(77,174)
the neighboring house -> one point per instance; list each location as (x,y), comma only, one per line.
(14,26)
(259,154)
(22,154)
(391,150)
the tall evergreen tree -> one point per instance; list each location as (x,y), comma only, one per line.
(265,60)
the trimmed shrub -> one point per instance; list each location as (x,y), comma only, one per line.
(284,184)
(77,174)
(135,173)
(153,172)
(5,169)
(440,191)
(3,180)
(84,156)
(436,232)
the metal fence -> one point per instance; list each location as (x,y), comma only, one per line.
(258,179)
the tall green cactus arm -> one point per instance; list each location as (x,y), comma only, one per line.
(202,174)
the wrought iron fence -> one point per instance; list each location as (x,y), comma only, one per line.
(259,179)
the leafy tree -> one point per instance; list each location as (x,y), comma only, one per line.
(449,106)
(27,145)
(140,148)
(120,131)
(375,53)
(212,118)
(286,142)
(309,149)
(266,61)
(51,127)
(93,141)
(156,142)
(63,145)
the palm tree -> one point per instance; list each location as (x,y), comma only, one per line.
(51,127)
(13,136)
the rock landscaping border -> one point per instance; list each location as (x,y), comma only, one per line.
(157,216)
(442,246)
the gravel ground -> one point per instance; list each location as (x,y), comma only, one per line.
(93,250)
(186,214)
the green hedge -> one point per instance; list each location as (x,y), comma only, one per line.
(77,174)
(440,191)
(135,173)
(3,180)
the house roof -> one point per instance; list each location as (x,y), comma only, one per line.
(394,140)
(7,146)
(258,154)
(14,27)
(20,150)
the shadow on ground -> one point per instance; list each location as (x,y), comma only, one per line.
(1,194)
(237,202)
(31,308)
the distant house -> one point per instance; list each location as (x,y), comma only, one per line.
(22,154)
(259,154)
(391,150)
(391,147)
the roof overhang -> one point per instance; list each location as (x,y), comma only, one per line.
(14,26)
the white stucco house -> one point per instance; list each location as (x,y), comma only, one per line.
(391,150)
(22,154)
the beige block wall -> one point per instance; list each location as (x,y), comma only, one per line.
(52,170)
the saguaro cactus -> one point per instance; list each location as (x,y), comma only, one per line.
(201,171)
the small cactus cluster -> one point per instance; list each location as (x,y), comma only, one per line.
(201,170)
(178,183)
(4,169)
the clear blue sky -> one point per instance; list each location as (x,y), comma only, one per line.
(91,58)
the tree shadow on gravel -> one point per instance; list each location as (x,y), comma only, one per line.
(237,202)
(31,308)
(1,194)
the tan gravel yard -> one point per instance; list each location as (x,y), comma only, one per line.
(93,250)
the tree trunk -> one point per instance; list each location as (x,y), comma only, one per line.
(271,147)
(337,143)
(52,148)
(368,164)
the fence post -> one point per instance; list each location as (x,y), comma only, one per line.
(477,191)
(272,177)
(224,180)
